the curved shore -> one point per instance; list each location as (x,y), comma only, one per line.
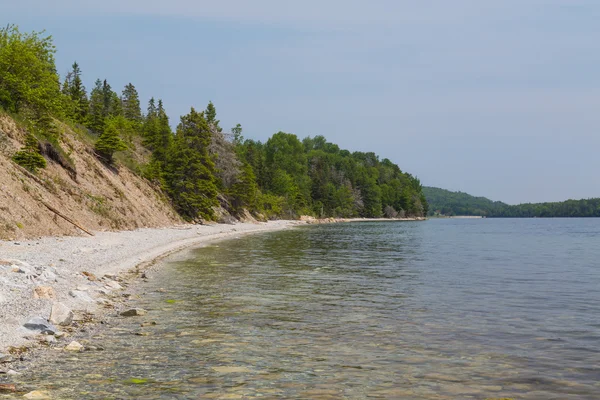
(81,272)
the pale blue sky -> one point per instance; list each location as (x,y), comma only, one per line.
(499,98)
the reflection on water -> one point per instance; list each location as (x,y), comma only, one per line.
(444,309)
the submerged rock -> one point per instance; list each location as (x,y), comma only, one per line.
(134,312)
(37,394)
(74,346)
(40,325)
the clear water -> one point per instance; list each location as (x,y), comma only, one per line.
(443,309)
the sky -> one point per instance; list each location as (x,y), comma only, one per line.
(497,98)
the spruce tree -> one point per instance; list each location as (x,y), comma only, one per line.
(189,175)
(75,90)
(131,104)
(96,113)
(211,116)
(110,140)
(29,156)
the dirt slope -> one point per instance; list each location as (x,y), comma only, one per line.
(97,198)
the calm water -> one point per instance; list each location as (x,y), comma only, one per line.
(443,309)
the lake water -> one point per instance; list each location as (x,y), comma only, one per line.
(442,309)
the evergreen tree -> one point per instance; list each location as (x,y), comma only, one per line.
(74,89)
(211,116)
(96,113)
(189,175)
(29,157)
(245,191)
(158,137)
(131,104)
(110,140)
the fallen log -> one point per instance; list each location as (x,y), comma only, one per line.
(69,220)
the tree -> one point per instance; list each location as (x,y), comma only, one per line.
(110,140)
(96,113)
(29,157)
(211,116)
(189,175)
(28,75)
(74,89)
(131,104)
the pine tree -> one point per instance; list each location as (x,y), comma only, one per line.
(110,140)
(131,104)
(29,157)
(74,89)
(96,113)
(245,191)
(189,171)
(211,116)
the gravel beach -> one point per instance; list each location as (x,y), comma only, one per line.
(70,276)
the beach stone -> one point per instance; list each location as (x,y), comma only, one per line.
(74,346)
(44,292)
(81,295)
(40,324)
(61,314)
(113,285)
(37,394)
(134,312)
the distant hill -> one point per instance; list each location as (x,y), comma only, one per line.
(448,203)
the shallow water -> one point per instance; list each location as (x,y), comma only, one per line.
(443,309)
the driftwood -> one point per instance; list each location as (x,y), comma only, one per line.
(55,211)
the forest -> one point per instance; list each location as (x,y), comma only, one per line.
(199,165)
(446,203)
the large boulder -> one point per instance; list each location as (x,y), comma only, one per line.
(40,325)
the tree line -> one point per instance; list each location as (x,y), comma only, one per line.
(446,203)
(198,165)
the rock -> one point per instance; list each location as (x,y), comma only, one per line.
(61,314)
(113,285)
(12,372)
(81,295)
(5,358)
(134,312)
(39,324)
(37,394)
(59,334)
(74,346)
(44,292)
(48,276)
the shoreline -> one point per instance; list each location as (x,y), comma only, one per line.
(89,275)
(85,273)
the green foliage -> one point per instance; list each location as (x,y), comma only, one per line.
(131,104)
(76,96)
(28,77)
(189,175)
(110,141)
(284,177)
(29,156)
(157,137)
(444,202)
